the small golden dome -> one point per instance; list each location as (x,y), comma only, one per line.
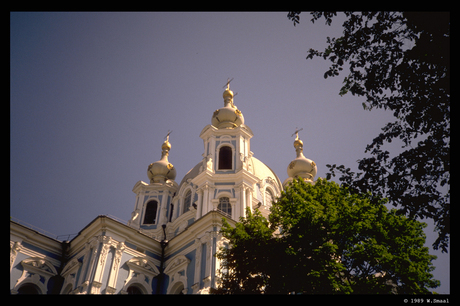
(298,143)
(166,146)
(227,93)
(228,116)
(301,166)
(162,170)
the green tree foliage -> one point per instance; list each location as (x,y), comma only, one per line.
(399,62)
(322,239)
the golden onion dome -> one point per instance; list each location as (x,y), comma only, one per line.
(227,93)
(301,166)
(162,170)
(166,146)
(228,116)
(298,143)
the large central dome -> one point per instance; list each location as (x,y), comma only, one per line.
(259,169)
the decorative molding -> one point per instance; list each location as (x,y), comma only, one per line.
(176,269)
(15,247)
(140,269)
(143,265)
(37,271)
(69,272)
(96,287)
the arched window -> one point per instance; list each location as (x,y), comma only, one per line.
(28,289)
(268,197)
(225,158)
(187,201)
(225,206)
(151,212)
(178,289)
(134,290)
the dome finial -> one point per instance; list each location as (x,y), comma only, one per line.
(167,135)
(298,144)
(228,83)
(296,133)
(166,145)
(228,94)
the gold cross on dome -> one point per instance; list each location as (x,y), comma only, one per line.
(296,133)
(167,135)
(228,83)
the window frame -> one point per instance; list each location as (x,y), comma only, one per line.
(229,206)
(150,211)
(185,206)
(134,287)
(272,195)
(228,159)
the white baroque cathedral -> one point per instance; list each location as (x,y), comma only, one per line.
(169,243)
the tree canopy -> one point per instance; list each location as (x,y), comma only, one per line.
(324,239)
(399,62)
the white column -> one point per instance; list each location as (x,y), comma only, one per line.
(163,218)
(204,206)
(243,200)
(97,281)
(112,285)
(233,202)
(199,204)
(198,247)
(248,198)
(210,198)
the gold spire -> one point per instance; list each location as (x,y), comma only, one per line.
(166,145)
(297,141)
(228,83)
(228,94)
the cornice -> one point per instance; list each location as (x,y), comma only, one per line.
(212,130)
(143,186)
(35,238)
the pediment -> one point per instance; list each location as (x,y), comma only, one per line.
(38,265)
(142,265)
(178,263)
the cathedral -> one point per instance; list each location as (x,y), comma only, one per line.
(168,244)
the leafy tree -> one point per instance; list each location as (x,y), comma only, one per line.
(323,239)
(399,62)
(241,263)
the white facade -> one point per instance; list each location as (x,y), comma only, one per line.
(169,243)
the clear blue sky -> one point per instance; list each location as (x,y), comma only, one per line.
(93,94)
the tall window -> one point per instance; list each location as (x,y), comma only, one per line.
(268,197)
(187,201)
(171,212)
(225,158)
(225,206)
(151,212)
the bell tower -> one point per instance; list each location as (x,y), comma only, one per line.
(227,139)
(227,170)
(153,200)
